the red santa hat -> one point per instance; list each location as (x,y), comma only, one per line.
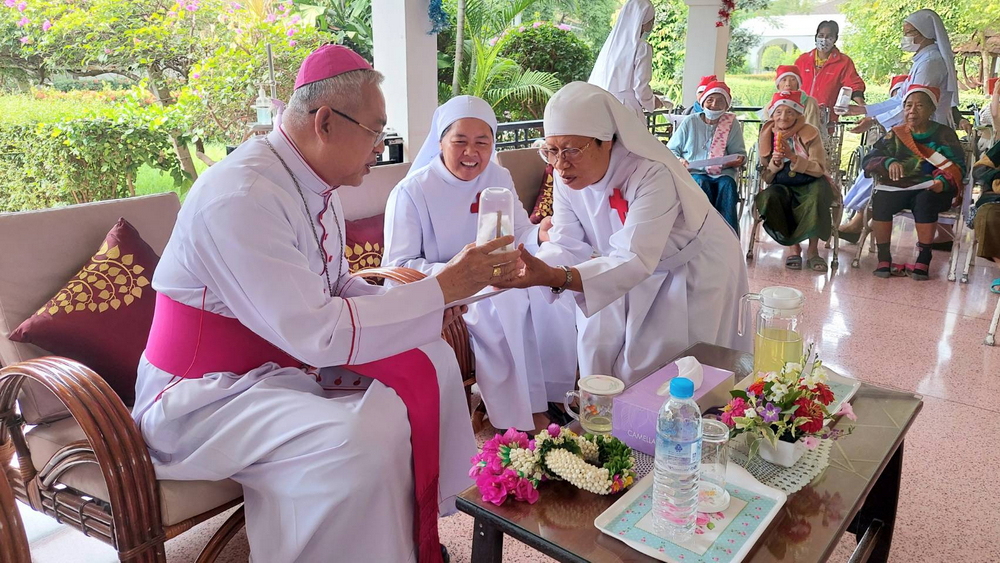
(716,87)
(896,82)
(791,99)
(705,81)
(787,70)
(933,93)
(329,61)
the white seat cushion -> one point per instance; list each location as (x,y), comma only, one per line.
(179,500)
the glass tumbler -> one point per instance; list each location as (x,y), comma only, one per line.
(712,493)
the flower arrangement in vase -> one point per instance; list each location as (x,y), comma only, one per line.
(784,413)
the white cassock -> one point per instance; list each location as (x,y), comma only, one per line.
(524,345)
(932,66)
(669,276)
(325,474)
(624,66)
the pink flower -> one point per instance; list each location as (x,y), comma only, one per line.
(847,410)
(296,19)
(491,488)
(46,25)
(513,437)
(291,31)
(25,40)
(702,519)
(196,75)
(292,42)
(810,442)
(522,28)
(525,491)
(554,430)
(271,17)
(22,6)
(171,14)
(735,409)
(23,21)
(107,51)
(537,25)
(10,3)
(564,27)
(493,41)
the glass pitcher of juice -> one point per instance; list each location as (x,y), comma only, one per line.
(777,337)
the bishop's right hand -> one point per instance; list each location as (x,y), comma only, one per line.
(474,268)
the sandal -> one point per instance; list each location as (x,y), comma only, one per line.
(817,264)
(995,286)
(890,269)
(793,262)
(918,271)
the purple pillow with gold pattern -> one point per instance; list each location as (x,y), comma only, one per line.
(543,203)
(101,316)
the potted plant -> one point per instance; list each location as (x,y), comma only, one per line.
(784,413)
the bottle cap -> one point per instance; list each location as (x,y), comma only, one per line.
(681,388)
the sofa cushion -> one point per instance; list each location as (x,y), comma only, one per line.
(68,237)
(363,240)
(179,500)
(101,316)
(369,198)
(527,169)
(543,203)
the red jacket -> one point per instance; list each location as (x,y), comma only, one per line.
(825,83)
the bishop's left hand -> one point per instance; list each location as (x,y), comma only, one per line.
(533,273)
(452,314)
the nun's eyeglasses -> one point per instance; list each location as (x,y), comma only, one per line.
(570,155)
(379,135)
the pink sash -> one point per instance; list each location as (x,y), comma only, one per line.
(189,343)
(719,141)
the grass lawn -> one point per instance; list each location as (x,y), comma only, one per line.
(150,180)
(25,109)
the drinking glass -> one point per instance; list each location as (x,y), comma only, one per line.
(712,493)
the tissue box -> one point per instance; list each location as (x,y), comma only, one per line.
(635,411)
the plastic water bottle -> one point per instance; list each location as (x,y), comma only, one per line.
(678,457)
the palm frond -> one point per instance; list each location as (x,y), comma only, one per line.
(524,87)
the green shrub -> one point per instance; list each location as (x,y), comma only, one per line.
(80,160)
(545,47)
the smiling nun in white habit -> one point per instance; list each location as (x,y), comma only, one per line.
(669,271)
(524,345)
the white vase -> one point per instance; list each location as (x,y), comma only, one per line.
(785,455)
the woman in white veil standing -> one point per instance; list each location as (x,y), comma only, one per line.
(625,65)
(524,345)
(933,65)
(668,270)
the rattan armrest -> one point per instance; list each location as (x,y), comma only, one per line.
(397,274)
(114,438)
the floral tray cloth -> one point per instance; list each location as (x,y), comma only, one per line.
(720,537)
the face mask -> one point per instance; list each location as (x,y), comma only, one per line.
(824,44)
(713,114)
(907,44)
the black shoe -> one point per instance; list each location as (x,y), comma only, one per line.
(444,554)
(945,246)
(557,416)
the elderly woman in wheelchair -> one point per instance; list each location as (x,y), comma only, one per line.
(918,165)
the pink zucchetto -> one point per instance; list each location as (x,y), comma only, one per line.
(329,61)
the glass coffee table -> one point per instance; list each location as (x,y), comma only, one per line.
(857,493)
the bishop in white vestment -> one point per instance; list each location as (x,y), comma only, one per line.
(525,347)
(669,271)
(251,287)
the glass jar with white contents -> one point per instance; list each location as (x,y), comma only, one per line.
(496,216)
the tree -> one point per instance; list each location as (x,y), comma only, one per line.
(487,74)
(591,18)
(877,28)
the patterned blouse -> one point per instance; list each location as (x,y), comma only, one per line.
(890,148)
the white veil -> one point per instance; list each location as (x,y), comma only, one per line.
(459,107)
(583,109)
(615,65)
(929,24)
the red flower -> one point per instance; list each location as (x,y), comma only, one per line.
(812,412)
(823,393)
(757,388)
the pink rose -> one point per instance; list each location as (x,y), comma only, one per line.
(847,410)
(524,491)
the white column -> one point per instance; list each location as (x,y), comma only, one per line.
(407,55)
(706,45)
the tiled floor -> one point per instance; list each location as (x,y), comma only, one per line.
(922,337)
